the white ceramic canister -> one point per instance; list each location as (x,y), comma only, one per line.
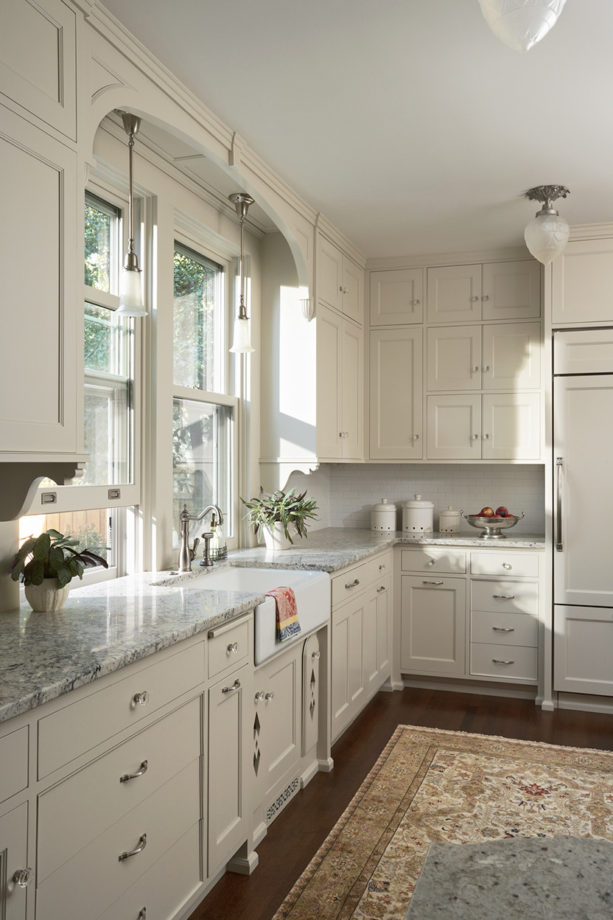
(418,515)
(383,517)
(449,520)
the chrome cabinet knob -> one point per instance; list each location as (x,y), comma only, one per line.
(316,656)
(507,565)
(476,368)
(232,648)
(142,914)
(485,297)
(474,298)
(259,696)
(269,696)
(141,698)
(22,877)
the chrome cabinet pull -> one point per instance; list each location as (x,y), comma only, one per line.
(503,661)
(141,698)
(235,686)
(269,696)
(559,471)
(259,697)
(140,846)
(504,597)
(424,582)
(140,772)
(316,656)
(352,584)
(504,629)
(142,914)
(232,648)
(382,588)
(22,877)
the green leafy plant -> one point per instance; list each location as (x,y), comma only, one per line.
(286,508)
(52,555)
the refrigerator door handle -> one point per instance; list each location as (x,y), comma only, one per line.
(559,466)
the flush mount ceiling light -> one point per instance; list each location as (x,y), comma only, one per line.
(547,234)
(242,342)
(130,283)
(520,24)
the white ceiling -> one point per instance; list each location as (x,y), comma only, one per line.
(405,121)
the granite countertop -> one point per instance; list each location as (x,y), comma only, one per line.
(106,626)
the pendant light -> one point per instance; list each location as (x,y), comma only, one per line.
(547,234)
(520,24)
(130,282)
(241,344)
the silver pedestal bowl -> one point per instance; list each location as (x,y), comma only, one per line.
(492,527)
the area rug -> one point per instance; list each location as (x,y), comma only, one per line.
(451,787)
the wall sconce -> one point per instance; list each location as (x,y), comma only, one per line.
(520,24)
(130,283)
(547,234)
(241,344)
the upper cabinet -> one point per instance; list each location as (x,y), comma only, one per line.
(339,280)
(582,284)
(340,363)
(495,290)
(396,297)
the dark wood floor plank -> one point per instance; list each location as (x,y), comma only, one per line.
(302,827)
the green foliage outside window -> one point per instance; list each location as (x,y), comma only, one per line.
(97,248)
(194,314)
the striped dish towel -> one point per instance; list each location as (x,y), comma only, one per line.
(287,612)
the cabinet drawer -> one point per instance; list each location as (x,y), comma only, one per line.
(504,628)
(505,596)
(166,886)
(78,810)
(433,559)
(229,646)
(354,580)
(501,563)
(79,727)
(508,662)
(14,760)
(97,876)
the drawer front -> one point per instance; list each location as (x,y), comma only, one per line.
(229,647)
(97,876)
(75,812)
(433,559)
(506,596)
(501,563)
(504,628)
(14,760)
(162,891)
(79,727)
(357,579)
(507,662)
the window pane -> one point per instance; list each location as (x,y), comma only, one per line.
(93,529)
(100,242)
(201,448)
(197,328)
(107,341)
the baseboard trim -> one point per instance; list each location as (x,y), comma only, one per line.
(309,773)
(451,686)
(325,766)
(244,865)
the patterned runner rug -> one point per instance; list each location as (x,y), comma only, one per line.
(433,785)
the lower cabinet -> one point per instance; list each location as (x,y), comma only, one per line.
(15,874)
(583,649)
(433,625)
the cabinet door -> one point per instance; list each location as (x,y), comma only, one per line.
(396,297)
(582,283)
(352,399)
(454,427)
(228,746)
(276,722)
(433,627)
(396,394)
(511,426)
(38,328)
(454,358)
(512,356)
(329,271)
(583,649)
(347,663)
(352,302)
(328,384)
(511,290)
(454,294)
(377,637)
(14,859)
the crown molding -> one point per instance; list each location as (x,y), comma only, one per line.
(327,229)
(516,254)
(591,231)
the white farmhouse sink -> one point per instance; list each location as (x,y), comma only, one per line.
(312,590)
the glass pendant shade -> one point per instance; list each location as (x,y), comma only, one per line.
(520,24)
(242,337)
(131,293)
(546,236)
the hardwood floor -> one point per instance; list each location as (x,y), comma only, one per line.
(299,830)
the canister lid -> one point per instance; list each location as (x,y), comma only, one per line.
(417,502)
(384,505)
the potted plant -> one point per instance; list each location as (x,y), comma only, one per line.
(47,564)
(280,515)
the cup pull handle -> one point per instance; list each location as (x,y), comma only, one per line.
(140,772)
(140,846)
(352,584)
(235,686)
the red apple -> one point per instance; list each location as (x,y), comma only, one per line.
(501,511)
(487,512)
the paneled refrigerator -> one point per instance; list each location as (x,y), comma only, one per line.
(583,511)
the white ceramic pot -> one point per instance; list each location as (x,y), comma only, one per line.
(383,517)
(46,597)
(449,520)
(418,516)
(274,536)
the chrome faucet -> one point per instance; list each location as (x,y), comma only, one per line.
(187,553)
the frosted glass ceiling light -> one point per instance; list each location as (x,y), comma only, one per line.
(130,283)
(242,340)
(547,234)
(520,24)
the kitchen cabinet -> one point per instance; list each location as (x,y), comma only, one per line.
(396,393)
(16,877)
(339,281)
(495,426)
(497,290)
(433,625)
(583,649)
(505,356)
(582,284)
(340,362)
(504,629)
(377,636)
(396,297)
